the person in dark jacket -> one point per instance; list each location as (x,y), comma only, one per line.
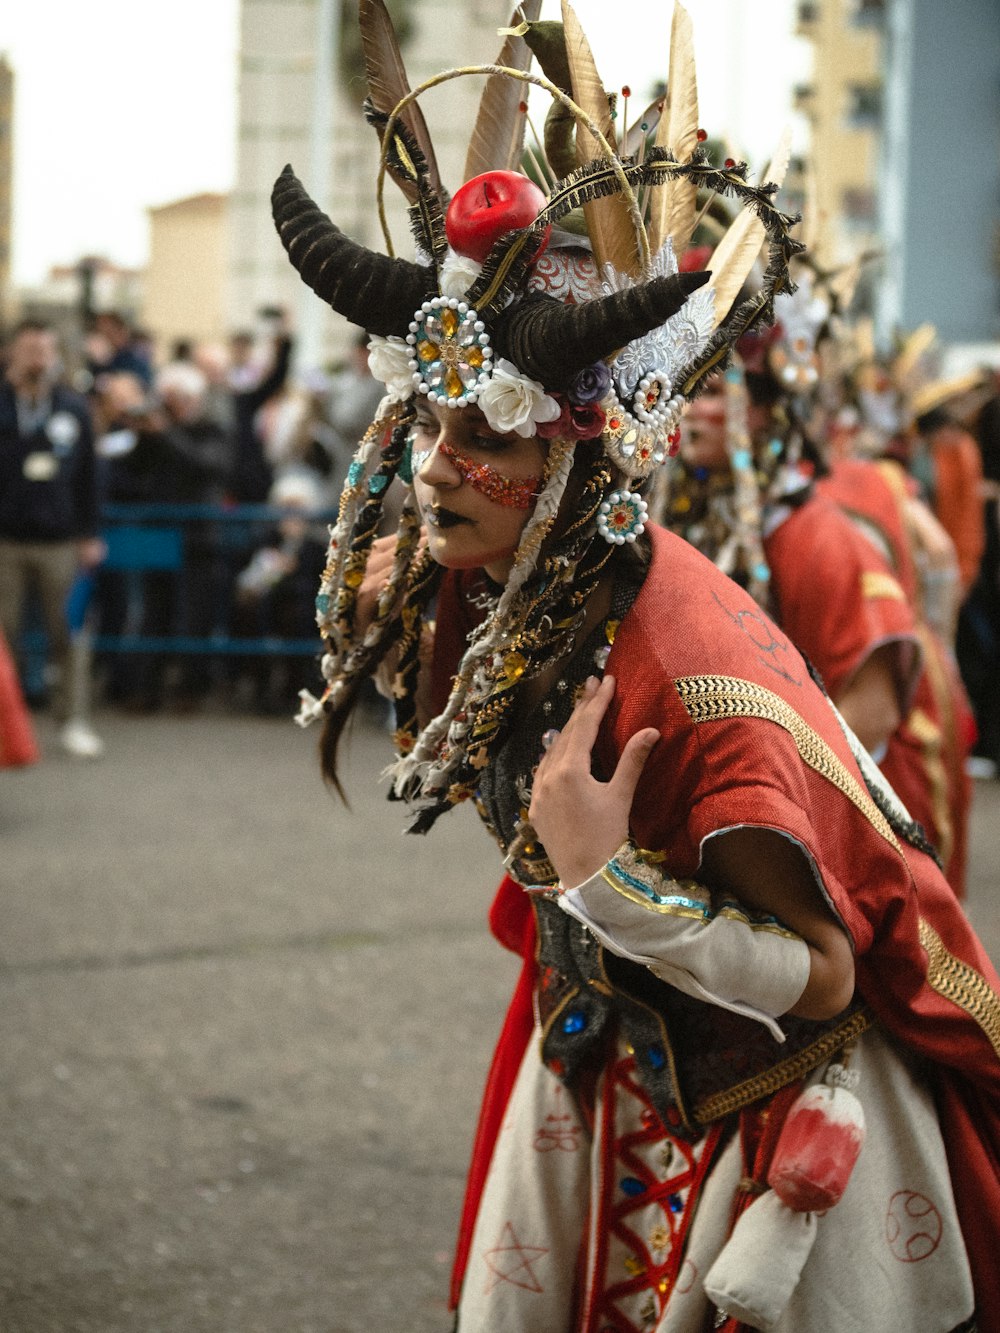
(48,512)
(181,456)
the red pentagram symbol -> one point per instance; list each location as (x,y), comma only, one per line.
(510,1261)
(912,1227)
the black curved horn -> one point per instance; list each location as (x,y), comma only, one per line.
(378,293)
(551,342)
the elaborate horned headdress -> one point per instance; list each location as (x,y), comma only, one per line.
(572,322)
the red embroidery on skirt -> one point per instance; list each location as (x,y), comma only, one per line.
(913,1227)
(510,1261)
(560,1131)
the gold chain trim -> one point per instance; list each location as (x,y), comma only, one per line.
(876,583)
(787,1071)
(931,741)
(713,698)
(962,984)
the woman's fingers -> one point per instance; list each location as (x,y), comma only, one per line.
(631,763)
(588,714)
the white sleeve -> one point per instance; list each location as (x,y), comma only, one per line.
(710,948)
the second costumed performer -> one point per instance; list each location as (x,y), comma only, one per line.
(735,956)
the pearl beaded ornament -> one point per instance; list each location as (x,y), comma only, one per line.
(622,517)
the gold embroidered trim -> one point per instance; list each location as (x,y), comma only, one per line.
(787,1071)
(713,698)
(962,984)
(876,583)
(632,876)
(931,740)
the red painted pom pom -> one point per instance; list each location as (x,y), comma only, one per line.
(626,91)
(730,163)
(522,107)
(701,136)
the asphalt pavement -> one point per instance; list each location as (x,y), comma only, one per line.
(244,1032)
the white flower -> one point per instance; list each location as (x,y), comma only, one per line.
(511,402)
(389,362)
(458,273)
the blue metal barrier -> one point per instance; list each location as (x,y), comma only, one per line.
(152,538)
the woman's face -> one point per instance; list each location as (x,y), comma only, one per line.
(476,488)
(703,429)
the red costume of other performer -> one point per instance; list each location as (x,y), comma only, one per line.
(925,757)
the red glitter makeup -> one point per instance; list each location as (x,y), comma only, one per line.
(512,493)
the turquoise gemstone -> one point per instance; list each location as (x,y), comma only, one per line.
(323,603)
(377,484)
(355,472)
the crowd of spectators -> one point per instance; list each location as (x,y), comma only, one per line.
(242,460)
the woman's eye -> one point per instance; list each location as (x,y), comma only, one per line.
(491,443)
(424,430)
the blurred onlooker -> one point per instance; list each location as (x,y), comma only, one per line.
(180,456)
(276,592)
(48,513)
(945,459)
(251,385)
(112,347)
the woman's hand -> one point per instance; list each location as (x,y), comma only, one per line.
(581,821)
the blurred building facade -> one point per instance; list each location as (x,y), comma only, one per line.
(903,107)
(184,293)
(278,83)
(842,105)
(940,175)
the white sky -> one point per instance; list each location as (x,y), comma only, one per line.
(110,118)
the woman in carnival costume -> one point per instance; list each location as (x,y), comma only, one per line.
(829,553)
(724,927)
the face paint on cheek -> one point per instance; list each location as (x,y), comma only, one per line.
(512,493)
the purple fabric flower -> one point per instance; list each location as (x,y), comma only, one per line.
(590,384)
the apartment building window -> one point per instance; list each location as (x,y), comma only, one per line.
(869,13)
(859,207)
(864,105)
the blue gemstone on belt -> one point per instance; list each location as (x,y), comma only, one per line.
(632,1187)
(656,1057)
(676,1203)
(575,1021)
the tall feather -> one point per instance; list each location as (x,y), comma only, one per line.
(498,134)
(388,84)
(672,206)
(611,230)
(735,255)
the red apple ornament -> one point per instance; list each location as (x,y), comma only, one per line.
(486,207)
